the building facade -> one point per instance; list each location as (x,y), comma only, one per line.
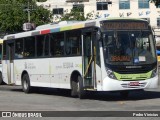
(108,8)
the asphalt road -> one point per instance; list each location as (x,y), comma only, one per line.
(12,98)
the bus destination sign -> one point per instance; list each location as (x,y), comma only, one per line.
(124,25)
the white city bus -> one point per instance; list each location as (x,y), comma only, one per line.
(1,78)
(116,54)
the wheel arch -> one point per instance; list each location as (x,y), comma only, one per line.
(74,76)
(24,72)
(1,78)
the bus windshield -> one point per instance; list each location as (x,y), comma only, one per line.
(129,47)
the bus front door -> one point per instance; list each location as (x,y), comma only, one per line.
(88,60)
(10,68)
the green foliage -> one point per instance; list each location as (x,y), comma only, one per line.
(41,0)
(76,14)
(13,15)
(89,16)
(157,2)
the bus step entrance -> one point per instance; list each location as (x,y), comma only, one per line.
(88,81)
(88,77)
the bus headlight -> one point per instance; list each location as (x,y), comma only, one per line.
(110,74)
(154,73)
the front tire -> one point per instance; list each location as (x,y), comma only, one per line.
(26,83)
(74,88)
(77,89)
(1,79)
(81,91)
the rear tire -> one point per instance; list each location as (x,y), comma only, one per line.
(26,83)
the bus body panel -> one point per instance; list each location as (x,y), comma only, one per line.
(61,70)
(38,71)
(99,77)
(103,69)
(48,72)
(115,85)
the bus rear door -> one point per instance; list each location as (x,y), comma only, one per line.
(8,68)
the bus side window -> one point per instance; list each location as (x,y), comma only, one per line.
(57,44)
(73,42)
(4,50)
(46,45)
(68,45)
(29,45)
(52,45)
(19,48)
(40,45)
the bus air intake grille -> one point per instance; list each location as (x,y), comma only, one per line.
(134,85)
(130,79)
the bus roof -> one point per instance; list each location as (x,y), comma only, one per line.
(62,26)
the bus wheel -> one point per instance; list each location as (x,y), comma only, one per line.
(74,88)
(1,79)
(81,91)
(26,83)
(124,94)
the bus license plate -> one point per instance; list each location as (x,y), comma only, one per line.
(134,84)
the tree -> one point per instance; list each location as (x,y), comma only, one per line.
(13,14)
(157,2)
(76,14)
(41,0)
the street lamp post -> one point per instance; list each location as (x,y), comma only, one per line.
(28,10)
(29,25)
